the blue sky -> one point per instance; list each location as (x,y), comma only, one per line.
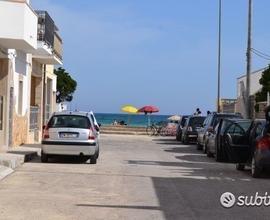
(155,52)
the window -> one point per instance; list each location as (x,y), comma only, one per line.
(245,125)
(69,121)
(1,112)
(231,129)
(239,129)
(20,101)
(225,124)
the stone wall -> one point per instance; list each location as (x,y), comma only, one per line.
(20,129)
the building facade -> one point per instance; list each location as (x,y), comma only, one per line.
(228,105)
(255,87)
(30,46)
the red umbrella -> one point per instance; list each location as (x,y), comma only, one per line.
(148,109)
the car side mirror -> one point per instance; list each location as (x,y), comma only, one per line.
(97,128)
(99,124)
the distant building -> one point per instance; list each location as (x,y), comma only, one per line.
(228,105)
(255,87)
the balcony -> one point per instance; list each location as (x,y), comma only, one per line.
(18,24)
(58,46)
(49,49)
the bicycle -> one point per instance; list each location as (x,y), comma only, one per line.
(151,130)
(155,129)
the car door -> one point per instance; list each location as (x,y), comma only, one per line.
(212,139)
(236,143)
(256,132)
(184,130)
(202,131)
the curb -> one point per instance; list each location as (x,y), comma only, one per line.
(5,171)
(14,158)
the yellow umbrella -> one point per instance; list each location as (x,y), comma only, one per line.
(129,109)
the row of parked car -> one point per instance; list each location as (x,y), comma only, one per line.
(229,138)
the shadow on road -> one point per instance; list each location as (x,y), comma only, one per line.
(63,160)
(120,206)
(195,183)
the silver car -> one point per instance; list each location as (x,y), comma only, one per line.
(71,133)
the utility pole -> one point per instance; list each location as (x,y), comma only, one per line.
(219,55)
(249,42)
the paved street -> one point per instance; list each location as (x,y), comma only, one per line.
(135,178)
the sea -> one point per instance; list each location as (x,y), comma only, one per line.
(134,120)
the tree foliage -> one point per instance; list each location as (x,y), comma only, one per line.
(66,86)
(261,96)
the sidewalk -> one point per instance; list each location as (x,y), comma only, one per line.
(15,157)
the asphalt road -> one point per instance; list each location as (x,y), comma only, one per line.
(135,178)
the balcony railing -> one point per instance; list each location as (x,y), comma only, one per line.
(34,112)
(46,28)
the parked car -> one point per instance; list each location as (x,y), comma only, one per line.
(255,153)
(96,124)
(208,126)
(189,131)
(216,141)
(70,133)
(180,127)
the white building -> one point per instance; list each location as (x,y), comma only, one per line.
(28,51)
(255,87)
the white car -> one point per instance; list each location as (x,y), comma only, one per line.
(96,124)
(71,133)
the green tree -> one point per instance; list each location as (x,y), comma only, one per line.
(66,86)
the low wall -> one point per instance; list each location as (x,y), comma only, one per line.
(118,129)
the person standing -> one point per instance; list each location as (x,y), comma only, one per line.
(198,112)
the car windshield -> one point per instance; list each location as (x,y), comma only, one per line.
(218,117)
(69,121)
(196,121)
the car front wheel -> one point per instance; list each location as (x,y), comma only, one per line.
(199,146)
(44,157)
(93,160)
(208,153)
(255,169)
(185,140)
(240,166)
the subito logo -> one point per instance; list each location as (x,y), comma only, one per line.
(227,200)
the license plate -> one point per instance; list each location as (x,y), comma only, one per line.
(68,135)
(193,136)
